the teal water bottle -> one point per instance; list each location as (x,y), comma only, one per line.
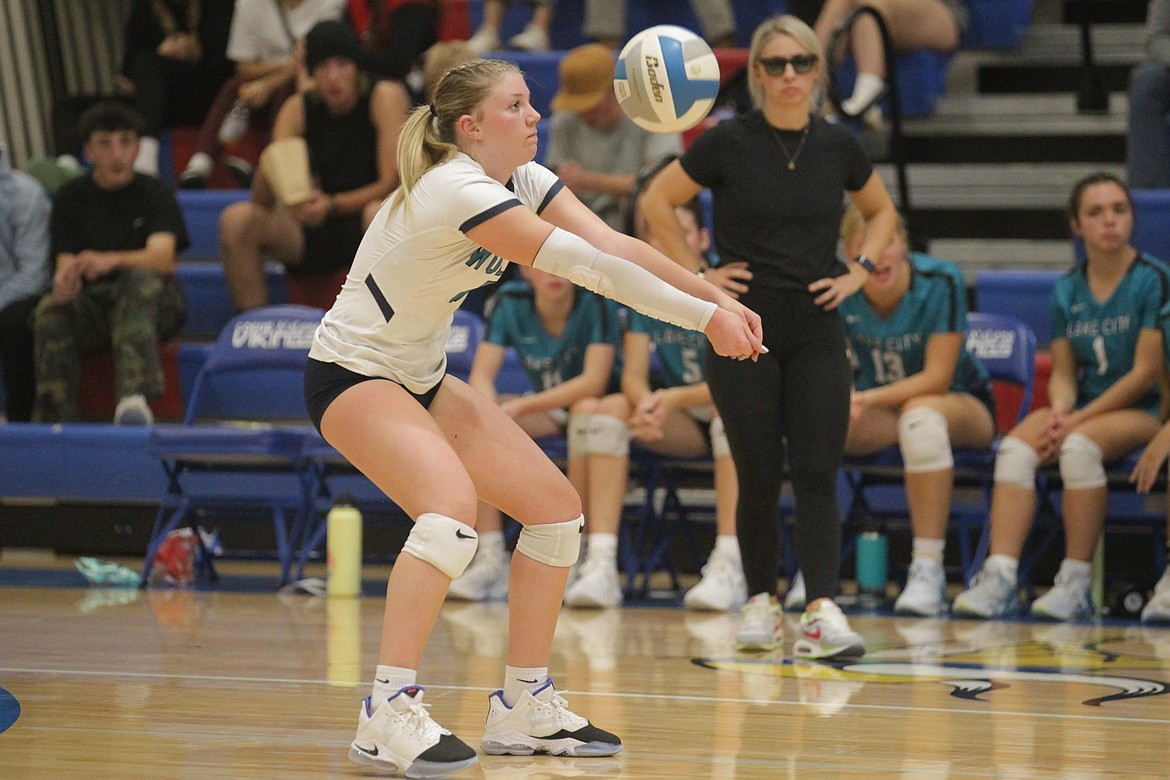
(872,563)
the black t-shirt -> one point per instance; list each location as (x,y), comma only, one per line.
(85,216)
(784,223)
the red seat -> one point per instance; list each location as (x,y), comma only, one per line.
(95,392)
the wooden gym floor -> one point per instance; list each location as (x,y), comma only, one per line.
(235,684)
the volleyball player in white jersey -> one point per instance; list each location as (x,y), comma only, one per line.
(471,200)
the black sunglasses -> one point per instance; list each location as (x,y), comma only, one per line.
(801,63)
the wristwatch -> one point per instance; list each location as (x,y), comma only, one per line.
(865,263)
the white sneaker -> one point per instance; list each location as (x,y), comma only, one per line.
(133,410)
(486,579)
(532,38)
(1069,598)
(826,634)
(541,722)
(722,586)
(597,586)
(794,599)
(1157,610)
(991,595)
(484,40)
(925,594)
(400,736)
(761,625)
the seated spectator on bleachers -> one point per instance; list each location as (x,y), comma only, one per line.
(668,413)
(605,22)
(263,45)
(912,24)
(593,147)
(918,387)
(173,63)
(349,125)
(566,338)
(1103,403)
(115,237)
(1147,151)
(25,275)
(534,36)
(395,34)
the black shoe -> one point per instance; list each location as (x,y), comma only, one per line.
(242,171)
(192,180)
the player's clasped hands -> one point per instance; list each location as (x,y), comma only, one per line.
(735,331)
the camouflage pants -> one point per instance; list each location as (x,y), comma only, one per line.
(130,312)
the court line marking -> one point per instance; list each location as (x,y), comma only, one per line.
(1095,718)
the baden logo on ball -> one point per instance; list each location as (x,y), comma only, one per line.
(666,79)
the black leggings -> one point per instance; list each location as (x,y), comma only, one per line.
(797,393)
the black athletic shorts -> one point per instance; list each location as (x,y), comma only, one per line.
(325,381)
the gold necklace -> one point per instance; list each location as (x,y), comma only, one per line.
(799,147)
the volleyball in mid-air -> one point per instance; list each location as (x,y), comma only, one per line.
(666,79)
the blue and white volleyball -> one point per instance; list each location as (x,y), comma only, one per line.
(666,79)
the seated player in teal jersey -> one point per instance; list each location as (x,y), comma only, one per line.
(917,386)
(567,340)
(670,414)
(1107,318)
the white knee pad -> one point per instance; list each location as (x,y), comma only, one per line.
(925,442)
(608,436)
(554,544)
(577,433)
(719,445)
(443,542)
(1016,462)
(1080,462)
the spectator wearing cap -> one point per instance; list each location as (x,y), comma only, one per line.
(594,148)
(349,126)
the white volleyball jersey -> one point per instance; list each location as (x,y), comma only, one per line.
(413,268)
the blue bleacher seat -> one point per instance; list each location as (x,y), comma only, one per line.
(201,210)
(921,76)
(209,306)
(997,24)
(1151,227)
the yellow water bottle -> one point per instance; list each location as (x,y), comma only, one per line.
(343,548)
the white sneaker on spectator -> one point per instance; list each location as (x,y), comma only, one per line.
(485,579)
(925,591)
(794,599)
(761,624)
(992,594)
(722,586)
(597,585)
(825,633)
(484,40)
(532,38)
(133,410)
(1158,608)
(1069,598)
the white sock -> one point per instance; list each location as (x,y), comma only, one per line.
(930,549)
(492,541)
(1005,563)
(726,545)
(147,159)
(1079,570)
(604,547)
(519,680)
(200,162)
(865,89)
(388,680)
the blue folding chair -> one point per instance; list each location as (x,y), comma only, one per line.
(1006,346)
(246,418)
